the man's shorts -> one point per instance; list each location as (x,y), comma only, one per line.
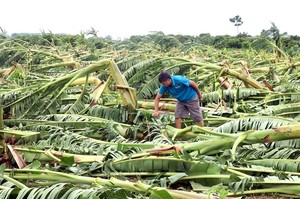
(191,107)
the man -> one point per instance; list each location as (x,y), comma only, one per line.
(187,94)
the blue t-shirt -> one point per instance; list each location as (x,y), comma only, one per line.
(179,89)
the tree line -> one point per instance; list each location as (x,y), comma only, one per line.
(290,44)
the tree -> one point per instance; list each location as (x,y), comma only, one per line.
(237,20)
(274,34)
(93,32)
(3,33)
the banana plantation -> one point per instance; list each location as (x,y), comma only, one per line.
(76,119)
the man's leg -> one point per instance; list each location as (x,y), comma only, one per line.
(180,112)
(201,123)
(178,123)
(195,111)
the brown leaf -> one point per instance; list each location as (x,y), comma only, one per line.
(17,157)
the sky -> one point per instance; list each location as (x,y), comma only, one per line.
(123,18)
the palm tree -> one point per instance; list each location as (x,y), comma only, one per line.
(237,20)
(93,32)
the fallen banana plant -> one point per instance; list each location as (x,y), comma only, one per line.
(216,142)
(57,177)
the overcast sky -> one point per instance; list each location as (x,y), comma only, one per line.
(123,18)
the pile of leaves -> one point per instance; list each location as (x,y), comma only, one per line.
(76,122)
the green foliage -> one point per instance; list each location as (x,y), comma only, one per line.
(219,190)
(43,99)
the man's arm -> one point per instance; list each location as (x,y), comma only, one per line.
(195,87)
(156,104)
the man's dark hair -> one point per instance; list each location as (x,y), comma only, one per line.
(164,76)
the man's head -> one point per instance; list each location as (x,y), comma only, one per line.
(165,78)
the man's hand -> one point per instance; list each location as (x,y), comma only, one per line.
(155,114)
(200,96)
